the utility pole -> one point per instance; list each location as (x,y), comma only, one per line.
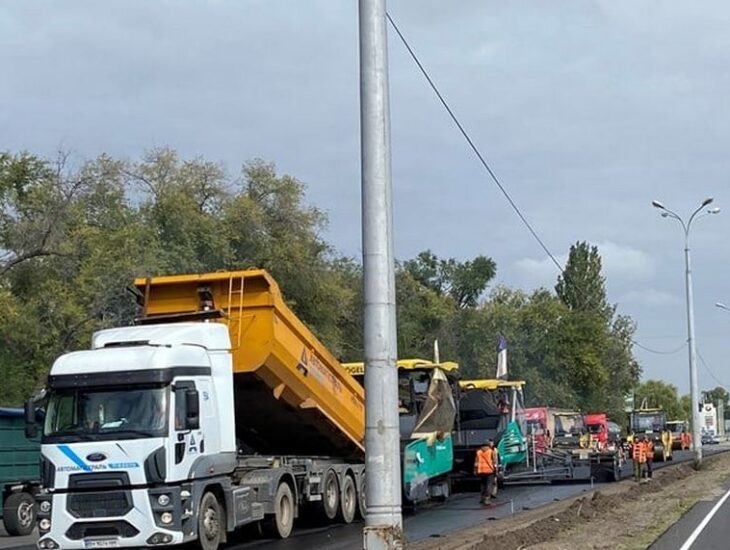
(383,522)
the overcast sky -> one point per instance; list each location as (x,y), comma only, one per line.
(587,110)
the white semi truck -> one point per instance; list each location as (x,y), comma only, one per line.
(218,410)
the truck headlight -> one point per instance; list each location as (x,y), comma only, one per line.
(45,524)
(163,500)
(166,517)
(45,506)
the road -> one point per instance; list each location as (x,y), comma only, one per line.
(706,526)
(461,511)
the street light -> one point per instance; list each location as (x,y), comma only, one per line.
(722,306)
(693,385)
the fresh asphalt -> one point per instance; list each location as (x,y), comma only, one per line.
(461,511)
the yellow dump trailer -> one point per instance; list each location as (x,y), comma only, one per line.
(292,395)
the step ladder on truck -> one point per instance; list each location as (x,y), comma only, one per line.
(219,409)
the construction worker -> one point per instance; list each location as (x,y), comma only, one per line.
(638,455)
(485,467)
(649,444)
(685,438)
(667,445)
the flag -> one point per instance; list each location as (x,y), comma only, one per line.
(501,358)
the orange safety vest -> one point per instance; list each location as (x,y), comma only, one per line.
(485,461)
(650,450)
(638,452)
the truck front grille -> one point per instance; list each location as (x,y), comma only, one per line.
(99,505)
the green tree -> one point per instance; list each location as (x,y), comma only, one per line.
(464,281)
(72,240)
(716,395)
(581,286)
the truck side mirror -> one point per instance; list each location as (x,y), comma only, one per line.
(192,408)
(31,426)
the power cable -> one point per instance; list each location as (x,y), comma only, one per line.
(486,165)
(670,352)
(707,368)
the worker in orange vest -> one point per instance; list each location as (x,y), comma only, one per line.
(649,443)
(638,455)
(485,467)
(685,440)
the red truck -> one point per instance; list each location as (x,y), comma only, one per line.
(597,426)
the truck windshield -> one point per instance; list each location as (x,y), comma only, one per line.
(566,424)
(595,428)
(86,414)
(649,422)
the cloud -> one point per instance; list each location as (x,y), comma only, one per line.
(623,266)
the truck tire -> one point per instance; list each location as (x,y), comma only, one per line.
(362,499)
(280,523)
(348,503)
(616,473)
(19,514)
(211,522)
(330,495)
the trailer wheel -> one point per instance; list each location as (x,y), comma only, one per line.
(280,523)
(19,514)
(331,495)
(361,499)
(348,506)
(211,522)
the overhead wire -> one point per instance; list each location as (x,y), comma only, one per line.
(489,169)
(709,371)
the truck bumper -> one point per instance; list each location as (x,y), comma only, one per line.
(137,523)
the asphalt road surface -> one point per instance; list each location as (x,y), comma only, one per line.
(461,511)
(705,527)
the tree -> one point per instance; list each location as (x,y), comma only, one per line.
(464,281)
(581,286)
(716,395)
(73,239)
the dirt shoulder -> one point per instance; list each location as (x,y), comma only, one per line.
(622,515)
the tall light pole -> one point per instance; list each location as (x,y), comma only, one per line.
(383,521)
(693,384)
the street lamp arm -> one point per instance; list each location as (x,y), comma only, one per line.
(692,217)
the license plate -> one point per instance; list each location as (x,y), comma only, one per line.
(101,543)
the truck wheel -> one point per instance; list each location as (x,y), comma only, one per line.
(280,523)
(210,522)
(349,500)
(331,495)
(19,514)
(361,499)
(616,473)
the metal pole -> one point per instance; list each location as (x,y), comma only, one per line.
(693,384)
(383,524)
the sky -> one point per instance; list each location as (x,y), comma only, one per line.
(586,110)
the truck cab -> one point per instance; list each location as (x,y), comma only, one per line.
(598,429)
(136,429)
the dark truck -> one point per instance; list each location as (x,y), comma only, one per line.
(19,473)
(652,423)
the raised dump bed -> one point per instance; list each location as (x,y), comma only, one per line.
(293,397)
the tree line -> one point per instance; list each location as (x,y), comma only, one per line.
(73,238)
